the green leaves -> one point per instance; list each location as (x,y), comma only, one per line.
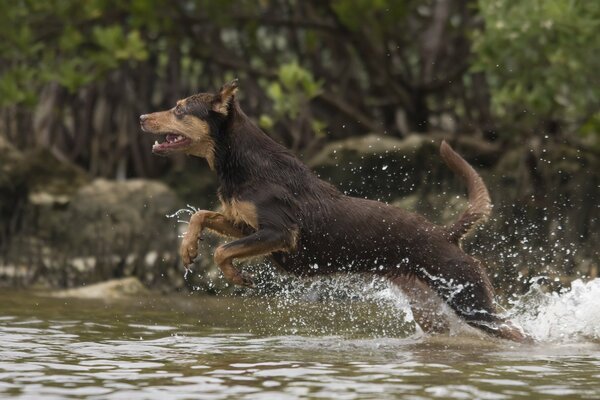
(541,57)
(355,13)
(120,45)
(295,87)
(12,83)
(291,95)
(69,43)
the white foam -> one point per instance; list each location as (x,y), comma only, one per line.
(568,316)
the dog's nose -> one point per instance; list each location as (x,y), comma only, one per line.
(143,117)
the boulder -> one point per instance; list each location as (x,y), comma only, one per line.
(375,166)
(385,168)
(35,188)
(52,181)
(120,228)
(62,230)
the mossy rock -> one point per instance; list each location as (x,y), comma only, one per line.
(123,225)
(51,179)
(375,166)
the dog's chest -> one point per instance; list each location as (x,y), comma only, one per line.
(240,212)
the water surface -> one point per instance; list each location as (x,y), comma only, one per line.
(207,347)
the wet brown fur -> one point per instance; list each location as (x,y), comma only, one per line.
(275,206)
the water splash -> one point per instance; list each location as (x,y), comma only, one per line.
(341,305)
(190,210)
(570,315)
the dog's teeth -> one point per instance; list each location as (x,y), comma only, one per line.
(156,143)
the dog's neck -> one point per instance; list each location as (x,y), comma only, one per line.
(243,152)
(246,158)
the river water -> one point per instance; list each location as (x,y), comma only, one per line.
(290,346)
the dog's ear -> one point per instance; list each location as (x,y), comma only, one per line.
(222,100)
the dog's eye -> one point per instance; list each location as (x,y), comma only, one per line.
(178,111)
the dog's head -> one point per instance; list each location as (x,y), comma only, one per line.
(187,126)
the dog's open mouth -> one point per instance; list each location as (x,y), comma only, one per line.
(172,141)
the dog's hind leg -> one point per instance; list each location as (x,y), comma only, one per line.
(264,241)
(426,305)
(214,221)
(466,288)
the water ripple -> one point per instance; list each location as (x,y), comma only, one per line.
(233,348)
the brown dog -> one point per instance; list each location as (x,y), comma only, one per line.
(275,206)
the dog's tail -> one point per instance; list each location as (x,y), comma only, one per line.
(480,204)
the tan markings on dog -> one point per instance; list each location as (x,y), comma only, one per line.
(241,211)
(197,130)
(244,251)
(194,128)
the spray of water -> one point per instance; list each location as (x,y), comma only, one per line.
(328,305)
(565,316)
(569,315)
(339,305)
(190,210)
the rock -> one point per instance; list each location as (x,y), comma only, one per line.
(385,168)
(357,148)
(59,229)
(375,166)
(71,232)
(123,227)
(408,172)
(52,180)
(109,290)
(35,189)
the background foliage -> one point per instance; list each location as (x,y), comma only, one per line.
(75,75)
(541,62)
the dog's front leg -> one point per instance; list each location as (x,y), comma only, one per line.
(198,222)
(264,241)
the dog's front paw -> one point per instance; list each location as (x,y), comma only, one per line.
(188,250)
